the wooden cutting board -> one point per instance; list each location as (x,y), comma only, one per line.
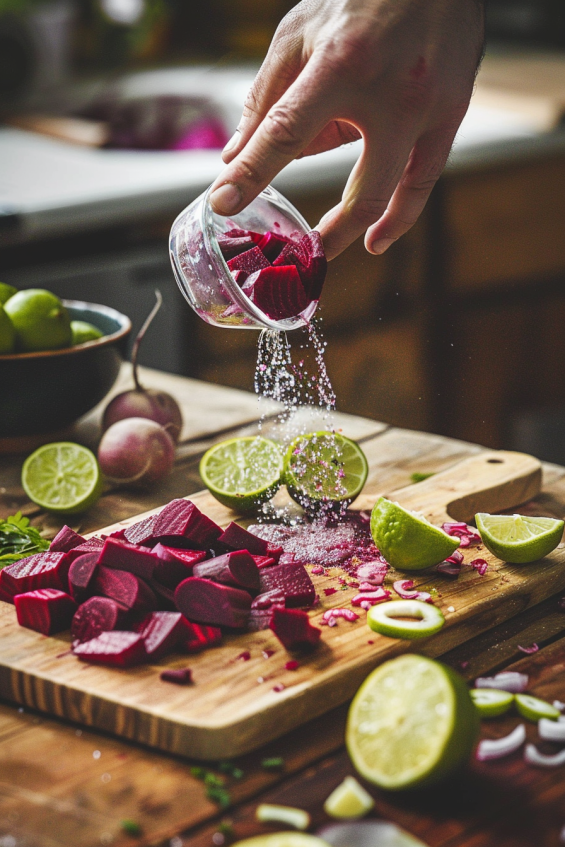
(233,706)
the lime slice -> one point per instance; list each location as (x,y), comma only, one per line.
(7,333)
(411,723)
(242,473)
(407,540)
(533,709)
(40,320)
(62,477)
(383,619)
(490,702)
(83,331)
(282,839)
(324,467)
(518,538)
(348,800)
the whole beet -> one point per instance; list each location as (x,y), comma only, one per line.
(136,451)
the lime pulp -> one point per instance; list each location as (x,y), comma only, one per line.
(62,477)
(242,473)
(407,540)
(427,619)
(491,702)
(519,538)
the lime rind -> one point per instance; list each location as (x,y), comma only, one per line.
(491,702)
(325,467)
(519,539)
(62,477)
(533,709)
(428,619)
(407,540)
(243,473)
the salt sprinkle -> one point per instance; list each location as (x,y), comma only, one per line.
(260,679)
(451,608)
(96,754)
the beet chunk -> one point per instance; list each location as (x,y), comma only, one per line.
(292,579)
(174,565)
(46,610)
(128,557)
(259,619)
(271,245)
(277,291)
(81,575)
(235,568)
(125,587)
(293,628)
(116,649)
(161,632)
(42,570)
(91,545)
(250,261)
(180,522)
(231,246)
(65,540)
(209,602)
(236,537)
(309,258)
(195,636)
(96,615)
(180,676)
(138,533)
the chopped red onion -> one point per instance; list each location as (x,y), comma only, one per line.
(373,572)
(481,566)
(402,588)
(292,665)
(366,586)
(333,614)
(551,730)
(449,568)
(557,704)
(497,748)
(467,535)
(533,648)
(456,557)
(245,656)
(371,597)
(511,681)
(279,687)
(540,760)
(318,569)
(329,591)
(267,654)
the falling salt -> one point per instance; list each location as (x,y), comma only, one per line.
(96,754)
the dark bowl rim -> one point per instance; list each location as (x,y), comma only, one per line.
(106,340)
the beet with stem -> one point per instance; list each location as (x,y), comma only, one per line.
(46,610)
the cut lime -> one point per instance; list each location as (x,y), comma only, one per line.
(533,709)
(6,291)
(428,619)
(62,477)
(282,839)
(518,538)
(411,723)
(40,320)
(242,473)
(324,467)
(7,333)
(348,800)
(407,540)
(83,331)
(490,702)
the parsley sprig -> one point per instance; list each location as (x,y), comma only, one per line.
(18,539)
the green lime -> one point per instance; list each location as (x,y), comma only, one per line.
(83,332)
(40,320)
(533,709)
(7,333)
(324,467)
(242,473)
(282,839)
(407,540)
(6,291)
(427,619)
(518,538)
(62,477)
(490,702)
(411,723)
(349,800)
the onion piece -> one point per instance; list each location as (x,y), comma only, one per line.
(467,535)
(367,834)
(551,730)
(330,614)
(540,760)
(371,597)
(511,681)
(403,589)
(557,704)
(298,818)
(533,648)
(497,748)
(480,565)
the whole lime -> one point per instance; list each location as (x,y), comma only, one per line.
(6,291)
(83,331)
(7,333)
(40,320)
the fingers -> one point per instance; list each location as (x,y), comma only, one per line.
(335,134)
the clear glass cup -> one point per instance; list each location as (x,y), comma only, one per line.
(202,273)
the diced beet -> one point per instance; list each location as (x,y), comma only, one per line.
(271,245)
(138,533)
(209,602)
(250,261)
(196,636)
(65,540)
(263,561)
(128,557)
(91,545)
(277,291)
(293,628)
(46,610)
(174,565)
(181,521)
(119,534)
(236,568)
(239,277)
(5,595)
(125,587)
(236,537)
(292,580)
(96,615)
(310,261)
(81,575)
(165,595)
(42,570)
(231,246)
(116,649)
(161,632)
(275,597)
(259,619)
(180,676)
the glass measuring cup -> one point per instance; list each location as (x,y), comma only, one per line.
(202,273)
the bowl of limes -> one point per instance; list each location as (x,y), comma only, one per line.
(58,359)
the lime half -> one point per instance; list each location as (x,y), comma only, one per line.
(426,619)
(518,538)
(62,477)
(242,473)
(407,540)
(324,467)
(491,702)
(411,723)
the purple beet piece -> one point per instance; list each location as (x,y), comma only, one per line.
(275,597)
(263,561)
(180,676)
(5,595)
(231,246)
(161,632)
(310,261)
(128,557)
(165,596)
(184,524)
(292,580)
(116,649)
(91,545)
(81,575)
(96,615)
(293,628)
(174,565)
(277,291)
(259,619)
(42,570)
(250,261)
(195,637)
(236,537)
(271,245)
(46,610)
(125,587)
(235,568)
(138,533)
(209,602)
(65,540)
(239,277)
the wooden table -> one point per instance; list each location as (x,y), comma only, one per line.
(62,785)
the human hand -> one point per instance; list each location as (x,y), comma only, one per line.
(397,73)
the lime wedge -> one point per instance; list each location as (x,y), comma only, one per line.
(518,538)
(348,800)
(282,839)
(491,702)
(411,723)
(533,709)
(324,467)
(407,540)
(62,477)
(242,473)
(427,619)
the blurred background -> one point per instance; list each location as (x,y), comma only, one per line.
(112,116)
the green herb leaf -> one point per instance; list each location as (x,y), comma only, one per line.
(18,539)
(219,796)
(130,826)
(420,477)
(274,763)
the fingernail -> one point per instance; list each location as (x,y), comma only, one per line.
(226,199)
(381,244)
(232,142)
